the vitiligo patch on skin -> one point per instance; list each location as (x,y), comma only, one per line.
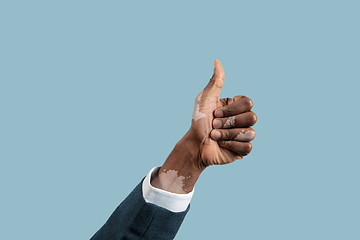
(245,135)
(178,181)
(230,122)
(197,114)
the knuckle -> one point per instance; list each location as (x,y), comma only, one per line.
(217,81)
(229,111)
(228,134)
(253,133)
(237,97)
(229,145)
(251,118)
(247,148)
(225,101)
(248,103)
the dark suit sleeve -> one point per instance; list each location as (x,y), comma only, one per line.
(136,219)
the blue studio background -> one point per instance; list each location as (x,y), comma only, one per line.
(96,93)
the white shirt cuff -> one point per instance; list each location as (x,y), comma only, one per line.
(171,201)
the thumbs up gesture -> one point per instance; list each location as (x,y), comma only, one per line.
(220,133)
(221,127)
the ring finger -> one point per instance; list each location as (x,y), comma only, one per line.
(237,134)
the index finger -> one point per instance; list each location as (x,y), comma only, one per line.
(239,105)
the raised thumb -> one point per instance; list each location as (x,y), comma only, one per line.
(216,82)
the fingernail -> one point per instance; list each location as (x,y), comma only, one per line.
(219,113)
(217,123)
(216,135)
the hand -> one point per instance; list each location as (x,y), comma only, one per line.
(220,133)
(221,127)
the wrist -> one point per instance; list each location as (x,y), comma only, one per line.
(182,168)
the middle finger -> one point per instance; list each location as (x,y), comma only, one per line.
(246,119)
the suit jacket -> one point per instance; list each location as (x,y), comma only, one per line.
(136,219)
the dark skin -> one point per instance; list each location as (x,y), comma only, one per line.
(219,134)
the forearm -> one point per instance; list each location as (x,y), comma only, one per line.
(181,169)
